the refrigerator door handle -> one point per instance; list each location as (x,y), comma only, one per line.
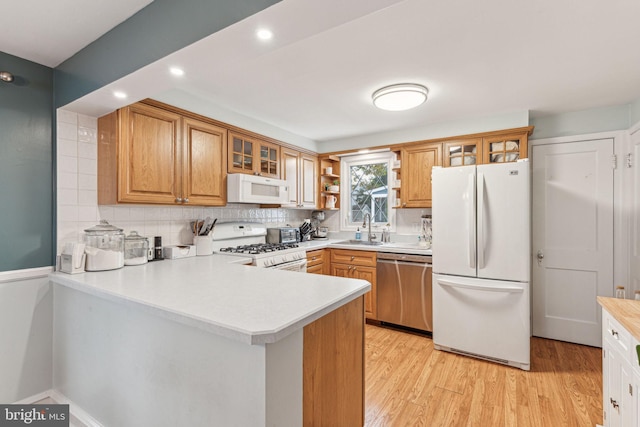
(481,263)
(471,212)
(509,289)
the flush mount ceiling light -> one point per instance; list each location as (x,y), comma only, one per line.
(400,97)
(120,95)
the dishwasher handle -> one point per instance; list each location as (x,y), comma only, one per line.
(411,263)
(506,289)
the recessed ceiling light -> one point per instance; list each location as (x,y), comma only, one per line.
(264,34)
(400,97)
(176,71)
(120,95)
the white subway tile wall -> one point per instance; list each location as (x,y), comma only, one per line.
(78,201)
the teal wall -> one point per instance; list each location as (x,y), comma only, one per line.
(26,165)
(161,28)
(595,120)
(634,113)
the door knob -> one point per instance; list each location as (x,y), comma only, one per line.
(540,257)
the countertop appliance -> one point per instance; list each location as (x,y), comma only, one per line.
(404,290)
(481,261)
(243,188)
(283,235)
(248,239)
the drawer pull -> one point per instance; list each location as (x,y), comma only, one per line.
(352,257)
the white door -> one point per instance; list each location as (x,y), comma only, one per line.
(634,256)
(572,238)
(454,220)
(503,224)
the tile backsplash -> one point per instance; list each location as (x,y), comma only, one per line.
(77,198)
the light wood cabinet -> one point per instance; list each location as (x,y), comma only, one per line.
(357,265)
(253,156)
(494,148)
(333,375)
(300,171)
(316,262)
(417,163)
(462,152)
(504,148)
(150,155)
(329,182)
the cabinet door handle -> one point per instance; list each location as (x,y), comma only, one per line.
(614,403)
(355,268)
(353,257)
(186,200)
(614,333)
(178,199)
(313,258)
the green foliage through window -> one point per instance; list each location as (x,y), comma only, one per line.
(369,192)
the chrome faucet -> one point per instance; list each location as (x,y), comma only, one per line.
(370,237)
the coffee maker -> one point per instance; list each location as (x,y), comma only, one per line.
(318,232)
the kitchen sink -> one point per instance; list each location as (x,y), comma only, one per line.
(358,242)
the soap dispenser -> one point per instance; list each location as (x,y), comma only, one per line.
(358,234)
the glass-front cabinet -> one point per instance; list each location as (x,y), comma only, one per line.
(253,156)
(463,152)
(485,150)
(504,148)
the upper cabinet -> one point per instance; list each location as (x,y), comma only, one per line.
(150,155)
(417,163)
(300,171)
(462,152)
(493,148)
(253,156)
(505,148)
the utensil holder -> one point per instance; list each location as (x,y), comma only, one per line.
(204,245)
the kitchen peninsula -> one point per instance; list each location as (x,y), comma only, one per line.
(204,341)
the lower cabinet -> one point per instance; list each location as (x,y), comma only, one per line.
(620,374)
(357,265)
(316,262)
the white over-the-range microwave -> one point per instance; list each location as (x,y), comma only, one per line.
(242,188)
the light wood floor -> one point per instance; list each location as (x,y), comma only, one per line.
(409,383)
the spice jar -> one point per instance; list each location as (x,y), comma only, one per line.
(136,249)
(104,247)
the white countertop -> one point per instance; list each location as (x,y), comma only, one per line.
(249,304)
(395,247)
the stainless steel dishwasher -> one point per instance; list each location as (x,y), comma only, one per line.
(404,290)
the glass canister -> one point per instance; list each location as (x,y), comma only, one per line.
(136,249)
(104,247)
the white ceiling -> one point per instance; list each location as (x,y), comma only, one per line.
(48,32)
(479,59)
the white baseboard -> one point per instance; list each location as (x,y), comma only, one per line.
(79,417)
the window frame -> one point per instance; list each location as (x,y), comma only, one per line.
(345,189)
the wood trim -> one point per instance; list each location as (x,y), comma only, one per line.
(333,368)
(401,145)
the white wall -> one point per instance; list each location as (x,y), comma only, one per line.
(26,318)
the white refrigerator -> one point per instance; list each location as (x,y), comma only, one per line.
(481,261)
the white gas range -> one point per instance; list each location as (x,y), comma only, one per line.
(248,239)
